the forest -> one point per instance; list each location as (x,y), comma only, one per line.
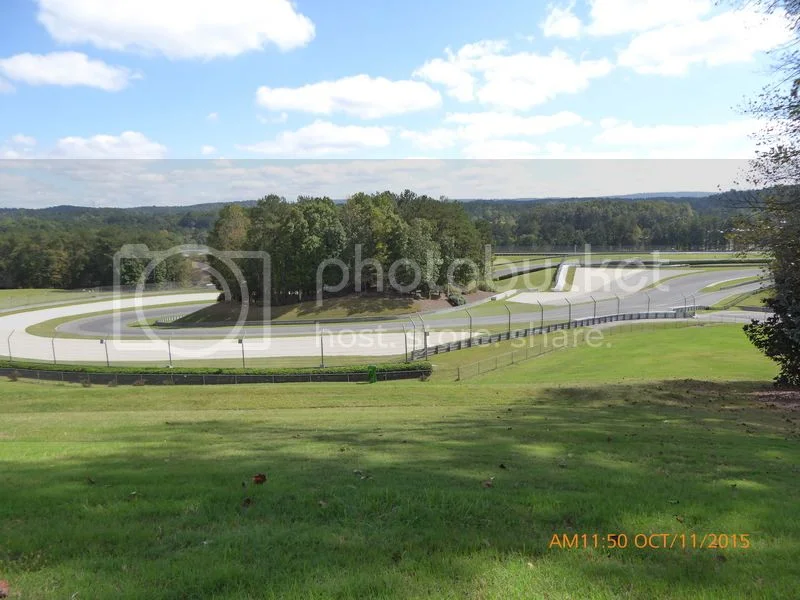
(73,247)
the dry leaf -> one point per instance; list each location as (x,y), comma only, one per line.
(259,479)
(489,483)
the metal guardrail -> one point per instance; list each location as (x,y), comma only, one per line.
(675,313)
(141,379)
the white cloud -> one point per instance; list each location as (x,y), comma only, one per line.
(561,22)
(501,149)
(212,117)
(178,29)
(522,81)
(483,126)
(731,37)
(719,140)
(612,17)
(208,150)
(66,69)
(23,140)
(321,138)
(454,71)
(511,81)
(360,96)
(129,144)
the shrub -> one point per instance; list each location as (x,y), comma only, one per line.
(456,299)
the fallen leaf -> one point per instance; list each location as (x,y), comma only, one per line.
(323,504)
(259,479)
(90,481)
(489,483)
(247,502)
(502,466)
(679,518)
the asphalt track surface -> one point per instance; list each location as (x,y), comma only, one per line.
(385,338)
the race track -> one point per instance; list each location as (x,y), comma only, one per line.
(595,292)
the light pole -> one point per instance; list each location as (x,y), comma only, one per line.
(105,345)
(619,304)
(648,301)
(241,343)
(541,310)
(569,319)
(509,319)
(169,349)
(10,356)
(594,314)
(425,333)
(322,349)
(53,346)
(414,325)
(405,339)
(469,314)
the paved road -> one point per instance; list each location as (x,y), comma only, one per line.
(383,339)
(669,294)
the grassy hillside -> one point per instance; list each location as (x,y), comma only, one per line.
(409,490)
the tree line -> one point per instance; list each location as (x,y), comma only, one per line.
(606,223)
(73,247)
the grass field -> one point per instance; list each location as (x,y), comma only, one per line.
(537,280)
(412,490)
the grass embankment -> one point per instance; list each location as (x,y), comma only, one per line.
(405,490)
(744,300)
(17,300)
(330,308)
(733,283)
(621,352)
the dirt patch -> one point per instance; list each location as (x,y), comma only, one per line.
(429,305)
(781,399)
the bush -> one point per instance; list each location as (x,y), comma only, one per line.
(456,299)
(382,368)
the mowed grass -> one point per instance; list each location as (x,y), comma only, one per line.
(639,353)
(378,491)
(536,280)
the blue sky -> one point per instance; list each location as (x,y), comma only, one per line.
(355,80)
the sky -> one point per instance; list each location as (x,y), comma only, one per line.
(201,100)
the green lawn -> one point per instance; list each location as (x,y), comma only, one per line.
(641,353)
(537,280)
(18,298)
(386,491)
